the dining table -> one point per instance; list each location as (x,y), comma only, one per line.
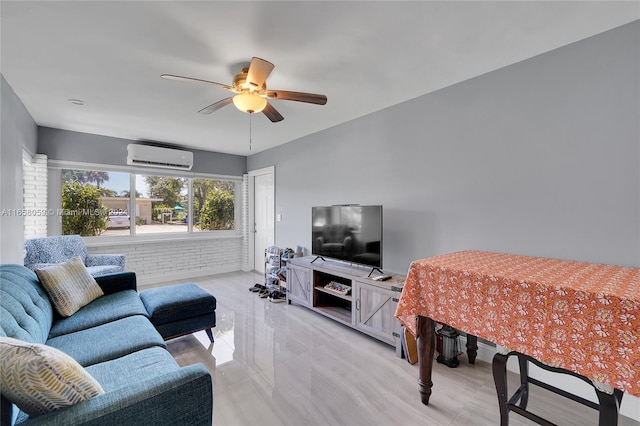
(579,317)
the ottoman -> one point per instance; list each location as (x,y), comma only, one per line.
(181,309)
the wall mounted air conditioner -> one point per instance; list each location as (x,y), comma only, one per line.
(154,156)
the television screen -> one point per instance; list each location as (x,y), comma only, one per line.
(350,233)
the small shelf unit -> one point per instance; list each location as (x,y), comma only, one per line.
(274,264)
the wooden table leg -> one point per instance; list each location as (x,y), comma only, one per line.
(426,337)
(472,348)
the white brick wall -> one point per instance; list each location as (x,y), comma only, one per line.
(34,194)
(244,203)
(175,259)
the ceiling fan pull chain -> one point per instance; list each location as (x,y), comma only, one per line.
(250,114)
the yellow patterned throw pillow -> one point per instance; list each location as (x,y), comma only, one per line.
(39,378)
(69,285)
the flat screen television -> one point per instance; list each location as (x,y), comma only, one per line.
(350,233)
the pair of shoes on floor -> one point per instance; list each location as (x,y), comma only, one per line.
(277,296)
(257,288)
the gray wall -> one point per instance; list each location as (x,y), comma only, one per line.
(18,131)
(539,158)
(67,145)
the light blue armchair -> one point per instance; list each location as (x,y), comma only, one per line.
(43,252)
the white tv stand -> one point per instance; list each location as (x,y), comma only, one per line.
(369,307)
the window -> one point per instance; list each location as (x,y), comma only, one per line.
(95,202)
(214,204)
(160,204)
(99,203)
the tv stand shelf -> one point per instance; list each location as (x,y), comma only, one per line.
(333,293)
(339,314)
(368,307)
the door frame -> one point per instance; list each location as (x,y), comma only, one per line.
(252,214)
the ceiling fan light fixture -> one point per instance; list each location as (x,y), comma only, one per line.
(249,102)
(250,91)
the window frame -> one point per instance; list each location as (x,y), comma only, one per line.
(55,198)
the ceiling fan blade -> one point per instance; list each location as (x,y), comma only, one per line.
(284,95)
(216,106)
(259,70)
(181,78)
(272,114)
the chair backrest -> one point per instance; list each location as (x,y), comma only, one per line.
(54,249)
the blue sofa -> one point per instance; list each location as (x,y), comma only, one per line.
(114,340)
(47,251)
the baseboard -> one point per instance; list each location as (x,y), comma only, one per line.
(184,275)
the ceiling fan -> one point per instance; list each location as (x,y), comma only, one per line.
(251,94)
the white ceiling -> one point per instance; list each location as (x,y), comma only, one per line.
(365,56)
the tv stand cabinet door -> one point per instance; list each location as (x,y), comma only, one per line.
(299,285)
(375,309)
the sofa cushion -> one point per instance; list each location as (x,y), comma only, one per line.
(69,285)
(25,309)
(39,379)
(109,341)
(133,368)
(110,307)
(179,397)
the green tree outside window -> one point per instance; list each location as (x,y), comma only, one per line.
(83,211)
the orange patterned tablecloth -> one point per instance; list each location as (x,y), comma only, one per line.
(582,317)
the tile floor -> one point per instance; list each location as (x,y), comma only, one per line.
(280,364)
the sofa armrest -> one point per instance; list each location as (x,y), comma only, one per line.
(184,396)
(105,259)
(347,243)
(118,281)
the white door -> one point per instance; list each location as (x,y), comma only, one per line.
(262,188)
